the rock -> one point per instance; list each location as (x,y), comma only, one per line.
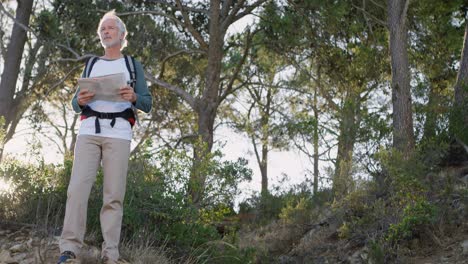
(29,261)
(18,248)
(464,245)
(5,257)
(286,260)
(20,257)
(465,179)
(4,246)
(29,243)
(20,238)
(356,257)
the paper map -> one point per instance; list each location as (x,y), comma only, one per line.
(105,87)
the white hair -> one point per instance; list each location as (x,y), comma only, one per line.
(120,24)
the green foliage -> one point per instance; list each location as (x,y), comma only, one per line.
(294,204)
(296,211)
(458,117)
(38,192)
(344,231)
(302,124)
(216,214)
(404,175)
(415,217)
(222,252)
(47,24)
(156,198)
(155,206)
(376,252)
(362,213)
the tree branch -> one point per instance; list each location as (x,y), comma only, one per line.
(185,137)
(170,56)
(376,19)
(238,68)
(182,93)
(248,10)
(24,27)
(188,8)
(60,82)
(146,134)
(404,12)
(377,4)
(77,58)
(2,46)
(150,12)
(190,28)
(229,19)
(225,8)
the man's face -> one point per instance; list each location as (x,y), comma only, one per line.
(109,34)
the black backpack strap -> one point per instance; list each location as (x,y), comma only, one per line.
(130,62)
(127,114)
(89,66)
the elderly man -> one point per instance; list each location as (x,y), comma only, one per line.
(104,137)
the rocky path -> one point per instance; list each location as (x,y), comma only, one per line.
(24,245)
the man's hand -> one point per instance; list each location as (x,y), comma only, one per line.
(128,94)
(84,96)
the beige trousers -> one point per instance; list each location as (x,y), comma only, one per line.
(90,151)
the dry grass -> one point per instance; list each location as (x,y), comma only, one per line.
(144,252)
(275,238)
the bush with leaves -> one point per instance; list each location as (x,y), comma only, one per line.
(156,207)
(38,192)
(156,203)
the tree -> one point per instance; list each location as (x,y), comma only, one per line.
(403,134)
(263,121)
(39,75)
(459,120)
(12,63)
(340,42)
(207,25)
(434,49)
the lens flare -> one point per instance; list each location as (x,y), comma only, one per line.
(5,186)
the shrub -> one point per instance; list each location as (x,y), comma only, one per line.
(38,195)
(416,216)
(155,207)
(296,211)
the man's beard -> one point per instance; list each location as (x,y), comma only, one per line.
(110,44)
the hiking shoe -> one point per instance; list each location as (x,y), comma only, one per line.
(66,256)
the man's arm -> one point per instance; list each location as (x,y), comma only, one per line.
(74,102)
(144,99)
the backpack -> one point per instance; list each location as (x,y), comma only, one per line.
(130,63)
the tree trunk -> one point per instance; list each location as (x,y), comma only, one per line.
(207,106)
(201,154)
(316,142)
(430,123)
(403,135)
(12,63)
(262,159)
(265,130)
(459,118)
(343,182)
(264,169)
